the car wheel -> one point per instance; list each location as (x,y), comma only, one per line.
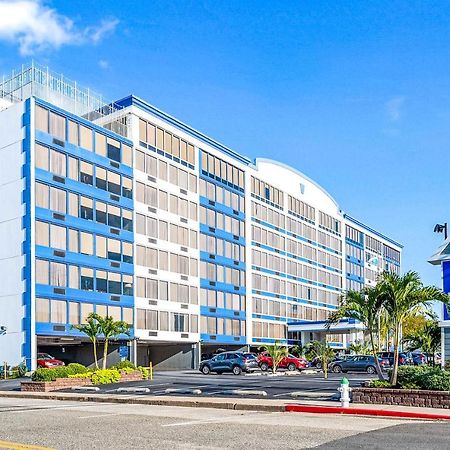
(237,370)
(371,370)
(337,369)
(206,370)
(291,367)
(319,365)
(264,367)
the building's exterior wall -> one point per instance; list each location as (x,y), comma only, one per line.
(15,311)
(191,243)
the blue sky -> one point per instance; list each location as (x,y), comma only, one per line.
(354,94)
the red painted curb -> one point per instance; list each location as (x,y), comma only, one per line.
(364,412)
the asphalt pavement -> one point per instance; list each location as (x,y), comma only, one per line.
(28,423)
(193,383)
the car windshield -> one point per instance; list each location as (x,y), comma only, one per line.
(44,356)
(249,355)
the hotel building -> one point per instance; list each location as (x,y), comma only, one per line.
(121,209)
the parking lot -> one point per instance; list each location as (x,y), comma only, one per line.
(193,383)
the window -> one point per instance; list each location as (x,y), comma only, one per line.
(100,144)
(86,243)
(74,313)
(73,132)
(127,187)
(180,322)
(57,126)
(41,118)
(87,279)
(73,168)
(42,271)
(42,233)
(58,200)
(86,173)
(127,220)
(113,149)
(100,212)
(114,283)
(85,137)
(100,178)
(58,276)
(42,310)
(86,208)
(58,237)
(114,183)
(114,216)
(42,195)
(101,281)
(58,311)
(41,157)
(100,246)
(127,155)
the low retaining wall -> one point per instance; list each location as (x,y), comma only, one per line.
(403,397)
(67,383)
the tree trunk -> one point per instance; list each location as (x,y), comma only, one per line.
(325,368)
(374,353)
(395,366)
(94,344)
(105,353)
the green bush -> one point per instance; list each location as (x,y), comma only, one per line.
(380,384)
(145,372)
(45,374)
(105,376)
(82,375)
(125,365)
(423,377)
(75,368)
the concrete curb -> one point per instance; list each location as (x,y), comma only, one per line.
(149,400)
(312,409)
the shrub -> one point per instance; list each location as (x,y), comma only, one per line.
(105,376)
(75,368)
(423,377)
(144,371)
(380,384)
(125,365)
(45,374)
(81,375)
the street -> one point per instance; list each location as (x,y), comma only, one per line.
(225,385)
(68,425)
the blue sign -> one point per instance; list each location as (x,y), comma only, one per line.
(123,351)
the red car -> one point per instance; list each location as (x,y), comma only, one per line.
(46,360)
(289,362)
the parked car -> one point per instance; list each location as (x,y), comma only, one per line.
(417,358)
(289,362)
(48,361)
(234,362)
(389,356)
(317,362)
(357,363)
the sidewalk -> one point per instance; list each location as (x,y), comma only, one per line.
(247,404)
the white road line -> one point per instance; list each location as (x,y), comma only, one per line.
(99,415)
(216,420)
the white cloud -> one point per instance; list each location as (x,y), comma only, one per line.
(394,107)
(36,27)
(103,64)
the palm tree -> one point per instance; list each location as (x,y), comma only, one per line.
(428,339)
(91,329)
(324,352)
(277,352)
(359,347)
(110,328)
(404,296)
(364,306)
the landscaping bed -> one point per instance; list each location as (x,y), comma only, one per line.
(74,375)
(416,386)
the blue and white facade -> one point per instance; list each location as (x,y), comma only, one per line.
(442,258)
(194,245)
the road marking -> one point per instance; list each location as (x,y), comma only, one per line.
(99,415)
(19,446)
(216,420)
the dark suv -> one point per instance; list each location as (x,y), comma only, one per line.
(389,356)
(235,362)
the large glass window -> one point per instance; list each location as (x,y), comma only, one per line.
(58,311)
(57,126)
(86,208)
(41,118)
(113,149)
(42,310)
(85,137)
(87,279)
(86,173)
(41,157)
(114,216)
(58,237)
(42,233)
(114,283)
(58,200)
